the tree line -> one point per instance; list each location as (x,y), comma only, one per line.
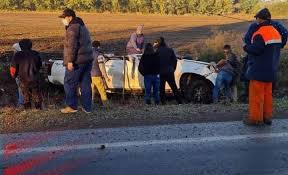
(143,6)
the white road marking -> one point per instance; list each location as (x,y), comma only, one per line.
(146,143)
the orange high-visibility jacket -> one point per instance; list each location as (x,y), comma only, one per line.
(264,53)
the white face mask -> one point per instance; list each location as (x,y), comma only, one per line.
(65,22)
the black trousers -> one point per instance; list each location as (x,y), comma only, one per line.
(170,79)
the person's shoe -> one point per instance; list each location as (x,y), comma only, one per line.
(85,111)
(249,122)
(38,105)
(267,121)
(105,103)
(148,102)
(215,101)
(27,106)
(179,100)
(157,103)
(68,110)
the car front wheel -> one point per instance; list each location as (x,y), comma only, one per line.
(198,91)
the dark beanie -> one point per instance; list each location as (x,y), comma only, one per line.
(68,12)
(264,14)
(25,44)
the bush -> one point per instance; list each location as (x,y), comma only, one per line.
(277,9)
(211,49)
(209,7)
(246,6)
(144,6)
(283,71)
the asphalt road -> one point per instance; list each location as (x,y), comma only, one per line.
(191,149)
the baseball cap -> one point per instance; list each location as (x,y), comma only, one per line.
(67,12)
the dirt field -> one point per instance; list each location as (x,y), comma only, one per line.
(113,30)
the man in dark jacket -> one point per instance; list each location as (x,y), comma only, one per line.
(149,67)
(78,57)
(26,65)
(248,38)
(254,26)
(168,64)
(263,63)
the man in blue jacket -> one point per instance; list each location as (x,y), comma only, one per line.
(281,29)
(263,62)
(248,37)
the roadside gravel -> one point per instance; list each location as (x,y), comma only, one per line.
(114,115)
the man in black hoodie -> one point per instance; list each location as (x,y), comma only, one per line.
(26,65)
(149,67)
(168,64)
(78,58)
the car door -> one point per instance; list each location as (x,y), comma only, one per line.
(114,69)
(135,80)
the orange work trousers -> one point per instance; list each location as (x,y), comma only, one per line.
(260,101)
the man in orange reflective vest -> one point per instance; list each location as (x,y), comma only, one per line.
(263,63)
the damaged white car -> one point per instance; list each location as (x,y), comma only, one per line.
(194,78)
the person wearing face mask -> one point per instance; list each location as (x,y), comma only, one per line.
(135,46)
(78,58)
(263,63)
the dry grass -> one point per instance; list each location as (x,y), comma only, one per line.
(115,115)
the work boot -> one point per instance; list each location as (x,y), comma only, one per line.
(267,121)
(215,102)
(85,111)
(27,106)
(68,110)
(38,105)
(163,102)
(249,122)
(179,100)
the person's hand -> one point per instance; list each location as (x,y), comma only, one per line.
(138,50)
(70,66)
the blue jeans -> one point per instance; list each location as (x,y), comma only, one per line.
(79,77)
(149,82)
(20,94)
(223,79)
